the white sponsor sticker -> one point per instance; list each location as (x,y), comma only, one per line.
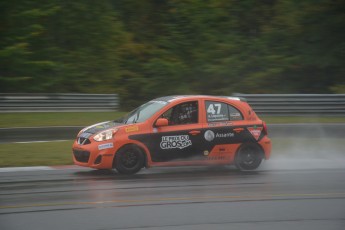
(160,102)
(105,146)
(224,135)
(255,131)
(175,142)
(209,135)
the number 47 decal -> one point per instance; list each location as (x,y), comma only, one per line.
(211,108)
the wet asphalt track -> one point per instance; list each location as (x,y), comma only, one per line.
(175,198)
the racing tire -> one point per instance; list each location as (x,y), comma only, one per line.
(248,157)
(129,160)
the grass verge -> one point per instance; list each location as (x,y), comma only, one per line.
(56,119)
(89,118)
(60,153)
(36,154)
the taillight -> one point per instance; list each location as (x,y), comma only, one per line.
(265,127)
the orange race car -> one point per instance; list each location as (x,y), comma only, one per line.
(177,131)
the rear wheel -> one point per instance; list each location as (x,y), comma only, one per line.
(129,160)
(248,157)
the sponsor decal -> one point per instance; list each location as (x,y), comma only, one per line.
(216,117)
(175,142)
(215,112)
(214,158)
(235,116)
(209,135)
(225,123)
(105,146)
(255,131)
(206,152)
(132,129)
(155,130)
(160,102)
(224,135)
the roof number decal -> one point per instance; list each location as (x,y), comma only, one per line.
(216,111)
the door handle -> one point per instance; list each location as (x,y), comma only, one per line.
(237,130)
(194,132)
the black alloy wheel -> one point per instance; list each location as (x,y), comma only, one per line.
(248,157)
(129,160)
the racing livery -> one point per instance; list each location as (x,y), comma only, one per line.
(177,131)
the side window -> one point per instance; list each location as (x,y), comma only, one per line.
(216,111)
(185,113)
(235,114)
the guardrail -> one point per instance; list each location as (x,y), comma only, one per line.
(296,104)
(263,104)
(62,102)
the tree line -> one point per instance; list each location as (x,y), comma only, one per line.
(149,48)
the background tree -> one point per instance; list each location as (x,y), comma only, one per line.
(149,48)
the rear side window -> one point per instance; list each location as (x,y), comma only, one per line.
(235,114)
(218,111)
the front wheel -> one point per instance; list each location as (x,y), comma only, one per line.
(248,157)
(129,160)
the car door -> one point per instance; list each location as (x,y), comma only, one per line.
(224,125)
(179,140)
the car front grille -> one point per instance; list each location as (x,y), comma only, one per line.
(81,156)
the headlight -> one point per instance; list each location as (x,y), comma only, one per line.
(105,135)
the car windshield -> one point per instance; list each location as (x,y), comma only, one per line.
(143,112)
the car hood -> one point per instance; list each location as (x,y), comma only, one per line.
(96,128)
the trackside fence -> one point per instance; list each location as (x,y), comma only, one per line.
(296,104)
(62,102)
(263,104)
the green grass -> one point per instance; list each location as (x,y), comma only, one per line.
(60,153)
(88,118)
(36,154)
(56,119)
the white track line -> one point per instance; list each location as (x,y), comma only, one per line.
(23,169)
(26,142)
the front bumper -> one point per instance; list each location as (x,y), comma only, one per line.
(89,155)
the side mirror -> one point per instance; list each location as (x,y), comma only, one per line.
(162,122)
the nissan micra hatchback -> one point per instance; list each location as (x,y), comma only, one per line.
(177,131)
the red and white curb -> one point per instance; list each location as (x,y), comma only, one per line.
(38,168)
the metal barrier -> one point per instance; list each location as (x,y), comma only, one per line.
(62,102)
(296,104)
(263,104)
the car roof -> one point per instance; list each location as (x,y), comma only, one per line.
(177,97)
